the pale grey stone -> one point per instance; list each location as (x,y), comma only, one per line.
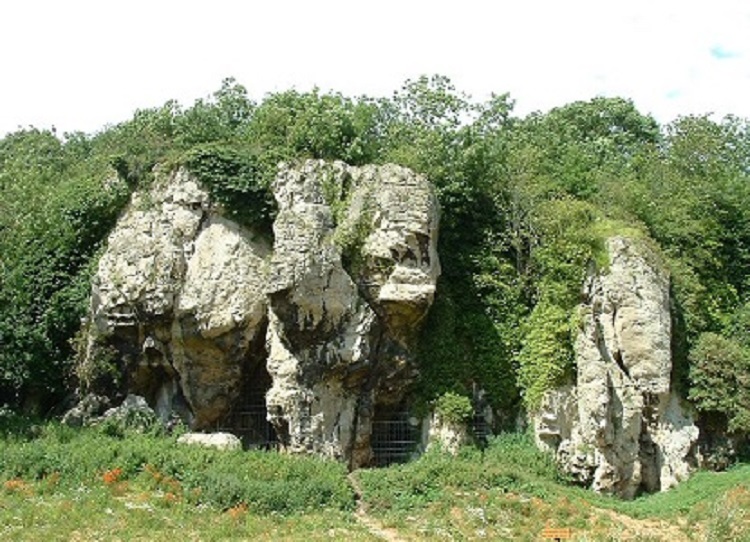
(620,428)
(220,441)
(340,332)
(190,301)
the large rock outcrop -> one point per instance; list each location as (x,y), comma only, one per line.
(352,274)
(620,428)
(178,303)
(187,305)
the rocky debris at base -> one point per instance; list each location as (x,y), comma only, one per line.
(220,441)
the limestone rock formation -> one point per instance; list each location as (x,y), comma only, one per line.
(353,272)
(133,413)
(178,304)
(620,428)
(89,408)
(188,307)
(447,435)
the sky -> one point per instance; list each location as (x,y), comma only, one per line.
(84,64)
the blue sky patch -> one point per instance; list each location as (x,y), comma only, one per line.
(721,53)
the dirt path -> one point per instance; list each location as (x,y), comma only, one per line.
(635,529)
(373,525)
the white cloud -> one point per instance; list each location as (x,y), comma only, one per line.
(79,64)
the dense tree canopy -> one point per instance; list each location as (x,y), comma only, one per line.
(526,205)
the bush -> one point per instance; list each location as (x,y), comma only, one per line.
(720,378)
(233,176)
(453,408)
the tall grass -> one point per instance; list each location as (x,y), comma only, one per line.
(269,482)
(510,463)
(53,477)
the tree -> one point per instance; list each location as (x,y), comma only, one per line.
(59,209)
(720,377)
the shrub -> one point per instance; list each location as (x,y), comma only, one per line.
(233,176)
(453,408)
(720,377)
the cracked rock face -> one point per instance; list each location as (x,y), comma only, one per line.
(186,304)
(178,302)
(352,275)
(620,429)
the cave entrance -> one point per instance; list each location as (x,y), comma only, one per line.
(480,429)
(248,418)
(395,436)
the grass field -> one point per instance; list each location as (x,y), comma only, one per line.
(58,483)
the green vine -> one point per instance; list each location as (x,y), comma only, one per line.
(546,359)
(98,369)
(353,230)
(233,177)
(335,189)
(573,237)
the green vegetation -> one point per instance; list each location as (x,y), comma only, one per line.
(720,373)
(512,490)
(453,408)
(527,203)
(510,463)
(232,175)
(61,483)
(56,207)
(55,455)
(98,514)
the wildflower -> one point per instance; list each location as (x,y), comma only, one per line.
(112,476)
(172,485)
(154,473)
(171,498)
(236,512)
(16,485)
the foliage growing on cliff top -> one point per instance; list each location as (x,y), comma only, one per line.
(233,177)
(526,204)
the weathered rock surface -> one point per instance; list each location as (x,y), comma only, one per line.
(352,274)
(447,435)
(132,413)
(187,305)
(178,304)
(89,408)
(620,429)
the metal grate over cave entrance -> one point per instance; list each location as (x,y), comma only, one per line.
(479,429)
(248,417)
(395,438)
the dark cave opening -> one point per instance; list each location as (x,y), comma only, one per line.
(395,435)
(248,418)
